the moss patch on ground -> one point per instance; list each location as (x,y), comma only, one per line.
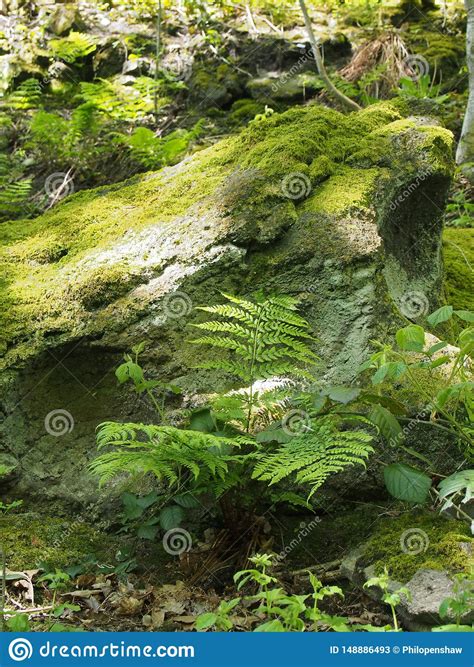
(28,539)
(436,544)
(458,250)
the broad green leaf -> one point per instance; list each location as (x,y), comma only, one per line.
(466,315)
(19,623)
(138,349)
(205,621)
(274,433)
(132,507)
(379,375)
(391,370)
(343,394)
(129,370)
(440,361)
(148,500)
(441,315)
(411,338)
(203,421)
(171,517)
(271,626)
(406,483)
(391,404)
(436,347)
(461,481)
(147,532)
(387,424)
(186,500)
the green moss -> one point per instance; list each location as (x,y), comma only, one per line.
(440,48)
(74,259)
(245,110)
(28,539)
(405,391)
(334,196)
(458,251)
(389,545)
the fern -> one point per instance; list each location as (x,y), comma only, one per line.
(14,197)
(122,102)
(268,338)
(314,456)
(165,451)
(263,339)
(154,152)
(26,96)
(73,47)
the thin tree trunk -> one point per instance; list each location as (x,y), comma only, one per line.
(465,150)
(337,94)
(157,60)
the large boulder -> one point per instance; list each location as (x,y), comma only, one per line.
(343,211)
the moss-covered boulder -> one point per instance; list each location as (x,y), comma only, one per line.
(343,211)
(458,251)
(420,550)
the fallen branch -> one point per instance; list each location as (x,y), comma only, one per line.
(322,567)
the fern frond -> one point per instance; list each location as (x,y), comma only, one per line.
(164,451)
(314,456)
(267,337)
(73,47)
(26,96)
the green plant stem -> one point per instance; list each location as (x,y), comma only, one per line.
(394,616)
(252,365)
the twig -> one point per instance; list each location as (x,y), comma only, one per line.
(250,18)
(273,27)
(36,610)
(323,567)
(337,94)
(58,192)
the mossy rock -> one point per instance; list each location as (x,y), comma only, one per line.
(325,206)
(284,87)
(419,540)
(458,251)
(421,551)
(29,539)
